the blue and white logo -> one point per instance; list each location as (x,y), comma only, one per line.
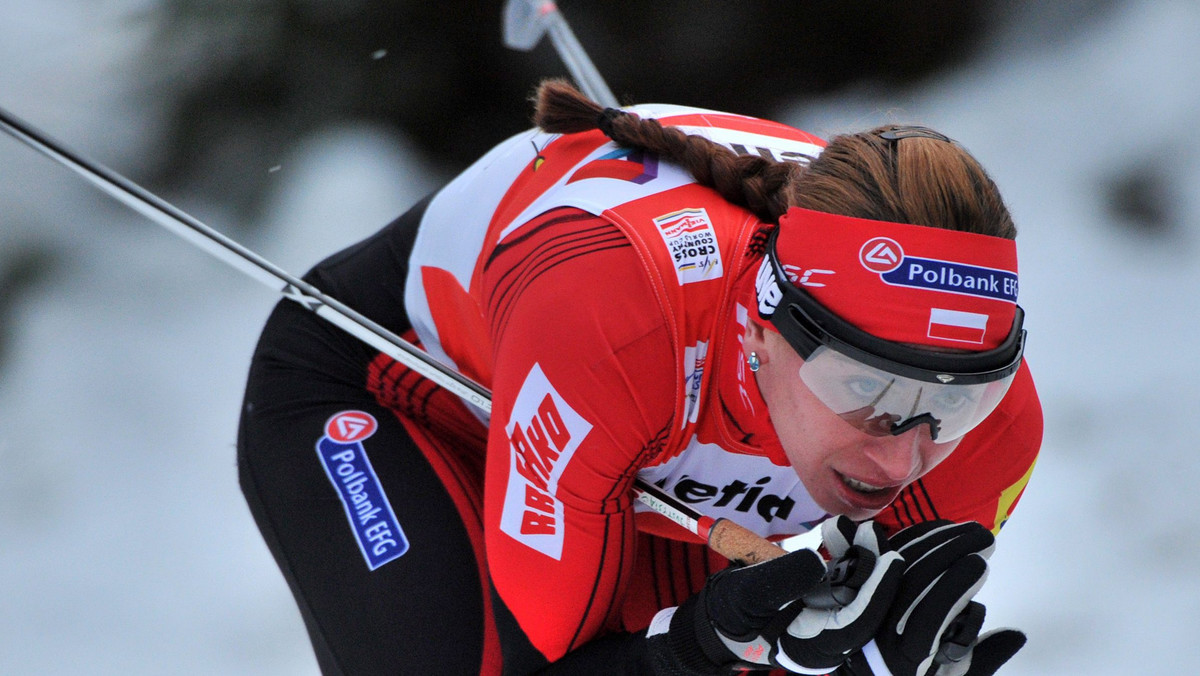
(379,535)
(928,273)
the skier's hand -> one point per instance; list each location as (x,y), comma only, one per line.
(783,612)
(933,626)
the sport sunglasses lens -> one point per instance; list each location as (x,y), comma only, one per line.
(881,403)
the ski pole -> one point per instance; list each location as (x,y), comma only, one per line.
(175,220)
(725,537)
(526,21)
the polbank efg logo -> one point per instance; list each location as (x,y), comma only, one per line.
(344,458)
(886,257)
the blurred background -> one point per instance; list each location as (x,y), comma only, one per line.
(300,126)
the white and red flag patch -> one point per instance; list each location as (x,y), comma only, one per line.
(964,327)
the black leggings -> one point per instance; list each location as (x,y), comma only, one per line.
(419,612)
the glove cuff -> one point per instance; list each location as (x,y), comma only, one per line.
(695,642)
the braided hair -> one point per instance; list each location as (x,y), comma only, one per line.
(750,181)
(889,173)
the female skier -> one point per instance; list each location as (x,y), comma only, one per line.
(787,333)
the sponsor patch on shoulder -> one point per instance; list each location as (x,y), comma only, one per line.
(543,433)
(344,458)
(692,244)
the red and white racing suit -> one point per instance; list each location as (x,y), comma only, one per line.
(602,294)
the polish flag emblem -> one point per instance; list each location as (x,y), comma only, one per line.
(349,427)
(963,327)
(881,254)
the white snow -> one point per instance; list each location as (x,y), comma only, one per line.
(125,547)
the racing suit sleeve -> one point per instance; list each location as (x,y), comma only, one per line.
(583,394)
(984,478)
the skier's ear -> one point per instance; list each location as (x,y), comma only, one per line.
(755,339)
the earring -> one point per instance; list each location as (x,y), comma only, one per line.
(753,362)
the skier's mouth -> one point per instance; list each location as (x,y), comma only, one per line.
(861,486)
(865,497)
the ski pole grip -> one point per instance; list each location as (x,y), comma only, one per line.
(740,544)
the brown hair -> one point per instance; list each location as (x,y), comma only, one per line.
(919,179)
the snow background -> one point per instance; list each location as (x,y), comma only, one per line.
(125,547)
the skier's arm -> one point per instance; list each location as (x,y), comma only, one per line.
(583,392)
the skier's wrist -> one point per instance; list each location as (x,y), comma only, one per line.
(678,645)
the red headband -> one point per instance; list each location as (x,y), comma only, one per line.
(904,283)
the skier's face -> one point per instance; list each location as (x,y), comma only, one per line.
(846,470)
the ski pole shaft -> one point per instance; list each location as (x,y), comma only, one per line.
(725,537)
(576,59)
(175,220)
(524,24)
(746,547)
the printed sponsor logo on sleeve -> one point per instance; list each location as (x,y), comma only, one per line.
(543,433)
(694,358)
(344,458)
(692,244)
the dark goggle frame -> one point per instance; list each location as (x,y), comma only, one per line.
(806,325)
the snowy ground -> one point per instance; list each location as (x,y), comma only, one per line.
(125,547)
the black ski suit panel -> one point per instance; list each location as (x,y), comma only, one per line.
(420,613)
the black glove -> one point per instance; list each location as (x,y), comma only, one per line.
(792,612)
(933,626)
